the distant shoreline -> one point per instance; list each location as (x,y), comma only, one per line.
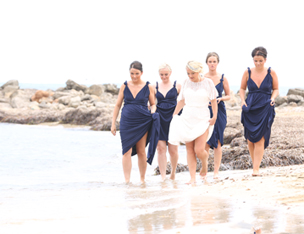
(283,89)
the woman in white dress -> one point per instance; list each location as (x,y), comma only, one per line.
(194,126)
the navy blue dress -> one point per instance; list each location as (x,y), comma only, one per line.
(221,120)
(136,120)
(165,108)
(258,116)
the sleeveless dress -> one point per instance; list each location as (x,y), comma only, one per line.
(136,120)
(221,121)
(194,121)
(258,116)
(165,108)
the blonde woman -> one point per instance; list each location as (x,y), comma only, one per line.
(221,84)
(166,93)
(194,126)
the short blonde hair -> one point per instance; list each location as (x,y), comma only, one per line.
(164,66)
(195,66)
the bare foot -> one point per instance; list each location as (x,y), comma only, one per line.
(216,176)
(172,176)
(191,182)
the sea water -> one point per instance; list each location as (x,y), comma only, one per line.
(57,179)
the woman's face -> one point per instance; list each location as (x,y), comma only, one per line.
(259,61)
(135,74)
(212,63)
(193,76)
(164,74)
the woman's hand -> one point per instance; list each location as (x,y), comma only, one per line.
(244,103)
(212,121)
(218,100)
(272,101)
(113,129)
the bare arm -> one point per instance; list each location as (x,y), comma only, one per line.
(180,104)
(214,111)
(275,87)
(244,87)
(117,108)
(152,99)
(178,87)
(227,91)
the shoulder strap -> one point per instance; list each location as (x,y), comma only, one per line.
(147,82)
(269,69)
(156,85)
(126,83)
(174,84)
(249,71)
(222,79)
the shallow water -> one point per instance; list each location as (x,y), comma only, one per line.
(69,180)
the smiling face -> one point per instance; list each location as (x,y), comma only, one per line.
(165,74)
(212,63)
(193,76)
(259,61)
(135,74)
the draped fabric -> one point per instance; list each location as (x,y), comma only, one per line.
(221,121)
(194,121)
(258,116)
(165,108)
(136,120)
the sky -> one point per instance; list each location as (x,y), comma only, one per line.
(94,42)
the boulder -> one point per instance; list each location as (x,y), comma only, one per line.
(301,103)
(86,97)
(70,84)
(280,100)
(294,98)
(75,101)
(296,91)
(230,134)
(65,100)
(34,106)
(111,88)
(11,83)
(45,105)
(71,93)
(9,89)
(41,95)
(95,90)
(21,98)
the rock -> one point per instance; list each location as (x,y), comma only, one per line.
(75,102)
(21,98)
(301,103)
(65,100)
(293,104)
(100,104)
(70,84)
(81,116)
(95,90)
(111,88)
(40,94)
(11,83)
(5,106)
(294,98)
(296,91)
(34,106)
(239,141)
(95,98)
(230,134)
(71,93)
(45,105)
(9,89)
(283,105)
(86,97)
(280,100)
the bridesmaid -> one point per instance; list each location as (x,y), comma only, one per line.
(221,84)
(166,94)
(258,110)
(138,126)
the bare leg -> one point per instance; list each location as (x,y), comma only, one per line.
(258,155)
(173,151)
(201,153)
(191,160)
(251,150)
(142,157)
(162,158)
(127,165)
(217,160)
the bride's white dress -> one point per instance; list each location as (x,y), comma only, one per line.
(194,120)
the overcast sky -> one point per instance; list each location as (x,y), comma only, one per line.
(95,41)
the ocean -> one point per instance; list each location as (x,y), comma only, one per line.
(69,180)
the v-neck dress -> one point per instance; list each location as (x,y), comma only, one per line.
(194,121)
(258,116)
(136,120)
(221,120)
(165,108)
